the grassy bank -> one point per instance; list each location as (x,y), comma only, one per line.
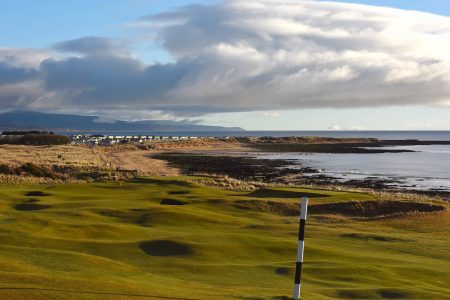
(155,237)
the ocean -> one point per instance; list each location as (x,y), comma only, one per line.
(426,169)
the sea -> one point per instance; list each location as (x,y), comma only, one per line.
(428,168)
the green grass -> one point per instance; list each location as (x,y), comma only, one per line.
(88,241)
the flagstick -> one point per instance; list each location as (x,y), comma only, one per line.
(301,245)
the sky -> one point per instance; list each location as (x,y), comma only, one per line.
(257,64)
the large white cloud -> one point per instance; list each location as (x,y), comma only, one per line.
(293,54)
(248,55)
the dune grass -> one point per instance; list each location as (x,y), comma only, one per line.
(156,238)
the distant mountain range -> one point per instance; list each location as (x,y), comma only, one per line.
(27,120)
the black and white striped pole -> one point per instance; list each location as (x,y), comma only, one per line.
(301,245)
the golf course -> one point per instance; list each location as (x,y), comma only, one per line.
(167,238)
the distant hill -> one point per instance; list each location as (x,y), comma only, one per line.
(27,120)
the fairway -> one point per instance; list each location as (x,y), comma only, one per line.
(164,238)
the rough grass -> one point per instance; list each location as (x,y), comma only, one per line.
(116,241)
(64,155)
(50,163)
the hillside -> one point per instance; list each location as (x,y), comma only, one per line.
(164,238)
(26,120)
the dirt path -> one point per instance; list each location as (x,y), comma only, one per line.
(141,160)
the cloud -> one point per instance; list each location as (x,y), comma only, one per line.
(22,57)
(93,45)
(104,120)
(20,81)
(269,114)
(307,54)
(341,127)
(254,55)
(101,81)
(418,125)
(10,74)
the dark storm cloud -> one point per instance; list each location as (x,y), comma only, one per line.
(10,74)
(108,80)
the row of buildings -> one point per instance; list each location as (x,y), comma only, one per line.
(97,139)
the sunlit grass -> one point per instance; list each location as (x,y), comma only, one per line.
(90,241)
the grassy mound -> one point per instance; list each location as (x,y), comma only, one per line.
(278,208)
(139,217)
(361,209)
(370,209)
(116,241)
(274,193)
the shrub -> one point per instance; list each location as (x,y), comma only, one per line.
(37,171)
(44,139)
(8,170)
(36,139)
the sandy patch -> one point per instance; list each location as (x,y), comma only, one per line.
(141,160)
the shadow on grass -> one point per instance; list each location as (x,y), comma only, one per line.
(282,298)
(353,294)
(30,206)
(161,182)
(169,201)
(128,187)
(165,248)
(140,217)
(371,209)
(269,193)
(181,192)
(271,207)
(371,237)
(283,271)
(392,294)
(22,289)
(369,294)
(36,194)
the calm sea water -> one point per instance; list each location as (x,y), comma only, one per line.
(384,135)
(426,169)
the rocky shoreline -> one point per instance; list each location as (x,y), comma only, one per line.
(280,171)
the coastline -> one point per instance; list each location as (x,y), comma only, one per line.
(248,167)
(245,159)
(256,166)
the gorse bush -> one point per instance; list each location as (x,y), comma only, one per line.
(32,169)
(26,132)
(28,169)
(36,139)
(8,170)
